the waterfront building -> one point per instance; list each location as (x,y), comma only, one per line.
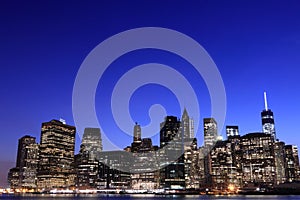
(56,156)
(224,172)
(291,163)
(172,154)
(114,169)
(190,151)
(23,176)
(14,178)
(279,154)
(201,167)
(191,168)
(87,170)
(258,160)
(144,170)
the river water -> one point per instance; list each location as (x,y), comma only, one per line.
(146,197)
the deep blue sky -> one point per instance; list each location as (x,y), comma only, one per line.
(255,44)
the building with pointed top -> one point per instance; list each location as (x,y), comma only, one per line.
(267,119)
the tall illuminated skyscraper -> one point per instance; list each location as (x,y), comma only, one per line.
(267,119)
(56,157)
(210,132)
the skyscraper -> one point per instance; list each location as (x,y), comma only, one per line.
(187,125)
(210,132)
(267,119)
(137,133)
(24,175)
(258,159)
(137,138)
(56,158)
(86,162)
(87,170)
(279,162)
(92,142)
(232,131)
(171,142)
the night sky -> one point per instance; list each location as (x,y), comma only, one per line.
(255,45)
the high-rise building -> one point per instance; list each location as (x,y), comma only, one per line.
(137,134)
(172,149)
(291,163)
(267,119)
(191,169)
(137,138)
(114,167)
(144,173)
(296,159)
(187,125)
(87,170)
(258,161)
(27,160)
(279,162)
(56,156)
(224,172)
(190,151)
(210,132)
(92,142)
(232,131)
(210,139)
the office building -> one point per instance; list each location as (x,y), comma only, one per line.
(210,132)
(224,172)
(87,170)
(232,131)
(258,161)
(56,157)
(267,119)
(92,141)
(23,176)
(279,154)
(172,154)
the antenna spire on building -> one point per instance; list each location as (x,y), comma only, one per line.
(266,102)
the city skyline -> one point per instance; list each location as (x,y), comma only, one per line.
(254,44)
(254,162)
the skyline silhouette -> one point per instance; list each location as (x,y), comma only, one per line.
(254,44)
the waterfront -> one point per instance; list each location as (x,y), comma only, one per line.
(145,196)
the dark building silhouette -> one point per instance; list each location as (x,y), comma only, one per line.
(23,176)
(172,153)
(87,170)
(114,169)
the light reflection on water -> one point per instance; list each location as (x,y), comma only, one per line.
(144,196)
